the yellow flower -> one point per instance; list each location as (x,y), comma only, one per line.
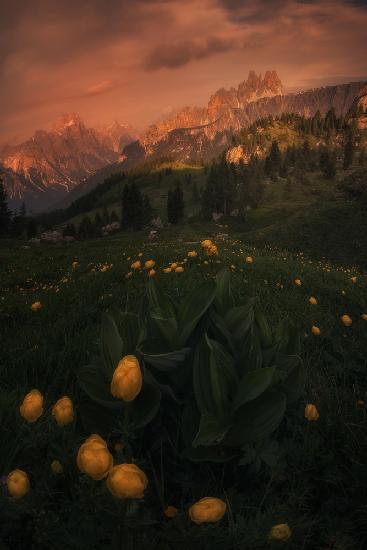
(179,269)
(167,270)
(364,316)
(36,306)
(346,320)
(136,265)
(280,532)
(297,282)
(311,412)
(171,512)
(63,411)
(192,254)
(149,264)
(127,379)
(32,406)
(94,457)
(233,267)
(74,265)
(173,266)
(127,481)
(206,262)
(313,301)
(17,483)
(207,510)
(56,467)
(151,272)
(206,243)
(211,250)
(315,330)
(140,254)
(249,260)
(128,275)
(354,279)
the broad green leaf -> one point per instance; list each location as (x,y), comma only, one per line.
(129,328)
(193,308)
(96,385)
(294,383)
(98,419)
(162,310)
(145,406)
(211,431)
(257,419)
(252,385)
(216,454)
(239,319)
(223,377)
(201,379)
(224,300)
(161,361)
(111,345)
(220,331)
(264,328)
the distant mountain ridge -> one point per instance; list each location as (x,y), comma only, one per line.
(46,167)
(196,133)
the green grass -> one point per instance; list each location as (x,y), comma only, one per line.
(320,487)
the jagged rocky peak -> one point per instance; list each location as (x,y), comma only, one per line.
(251,89)
(67,120)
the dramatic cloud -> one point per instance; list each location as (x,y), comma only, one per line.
(181,53)
(128,60)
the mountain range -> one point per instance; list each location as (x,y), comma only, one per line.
(72,158)
(49,165)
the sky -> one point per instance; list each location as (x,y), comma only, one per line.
(135,61)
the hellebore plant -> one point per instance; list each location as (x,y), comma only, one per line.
(227,375)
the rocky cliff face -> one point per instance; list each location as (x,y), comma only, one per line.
(201,133)
(46,167)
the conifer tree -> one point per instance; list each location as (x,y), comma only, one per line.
(5,216)
(348,153)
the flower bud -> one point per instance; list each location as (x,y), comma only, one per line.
(207,510)
(298,282)
(313,301)
(17,483)
(192,254)
(149,264)
(311,412)
(346,320)
(136,265)
(151,272)
(179,269)
(127,481)
(280,532)
(249,260)
(94,457)
(36,306)
(170,512)
(56,467)
(127,379)
(32,407)
(63,411)
(315,330)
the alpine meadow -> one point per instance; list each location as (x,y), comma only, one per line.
(183,275)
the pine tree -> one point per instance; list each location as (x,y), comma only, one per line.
(69,230)
(348,154)
(132,207)
(362,157)
(273,161)
(5,216)
(175,204)
(147,210)
(328,164)
(86,229)
(195,193)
